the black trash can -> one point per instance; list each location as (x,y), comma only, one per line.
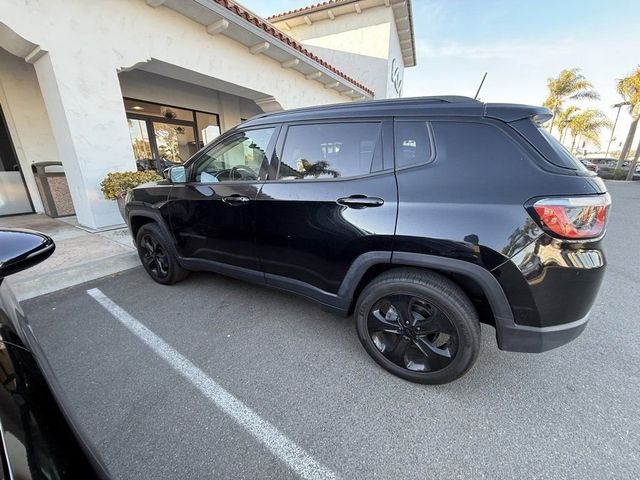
(53,188)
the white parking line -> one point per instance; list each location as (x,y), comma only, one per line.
(295,457)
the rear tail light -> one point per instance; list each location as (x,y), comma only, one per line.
(572,218)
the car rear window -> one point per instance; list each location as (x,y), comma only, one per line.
(566,158)
(546,144)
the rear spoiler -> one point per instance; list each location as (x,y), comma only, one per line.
(511,112)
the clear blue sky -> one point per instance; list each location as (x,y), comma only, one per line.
(519,43)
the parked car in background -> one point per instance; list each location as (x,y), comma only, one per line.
(39,438)
(592,167)
(603,161)
(423,217)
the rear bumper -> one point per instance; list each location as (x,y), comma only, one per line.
(551,286)
(523,338)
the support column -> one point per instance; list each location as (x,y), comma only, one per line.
(230,111)
(86,111)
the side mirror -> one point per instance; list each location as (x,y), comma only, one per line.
(21,249)
(176,174)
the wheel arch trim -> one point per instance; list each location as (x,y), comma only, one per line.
(156,217)
(482,277)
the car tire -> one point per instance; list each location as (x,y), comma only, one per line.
(418,325)
(157,256)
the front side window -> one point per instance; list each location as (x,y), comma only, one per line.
(330,150)
(238,157)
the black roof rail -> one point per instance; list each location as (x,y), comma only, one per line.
(387,101)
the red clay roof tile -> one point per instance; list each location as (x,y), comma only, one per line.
(270,29)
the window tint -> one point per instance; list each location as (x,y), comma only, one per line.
(239,157)
(413,144)
(475,145)
(332,150)
(564,156)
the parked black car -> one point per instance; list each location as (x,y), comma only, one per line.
(424,217)
(38,436)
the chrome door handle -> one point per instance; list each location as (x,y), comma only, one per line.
(360,201)
(236,200)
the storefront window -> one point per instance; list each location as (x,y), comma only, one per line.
(162,136)
(208,127)
(176,143)
(140,143)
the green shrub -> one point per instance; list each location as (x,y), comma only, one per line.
(117,184)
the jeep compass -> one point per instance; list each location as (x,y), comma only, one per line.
(422,217)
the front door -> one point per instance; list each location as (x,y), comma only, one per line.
(212,215)
(331,199)
(14,197)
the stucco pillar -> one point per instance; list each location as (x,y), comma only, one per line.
(84,104)
(230,111)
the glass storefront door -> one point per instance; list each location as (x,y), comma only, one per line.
(175,143)
(163,136)
(14,197)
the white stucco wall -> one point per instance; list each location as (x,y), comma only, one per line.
(88,42)
(395,66)
(360,44)
(26,117)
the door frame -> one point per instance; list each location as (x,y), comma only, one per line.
(5,126)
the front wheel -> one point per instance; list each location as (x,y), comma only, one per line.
(156,256)
(418,325)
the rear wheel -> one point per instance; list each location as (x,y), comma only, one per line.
(156,256)
(418,325)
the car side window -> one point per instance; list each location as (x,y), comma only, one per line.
(330,150)
(477,143)
(238,157)
(413,143)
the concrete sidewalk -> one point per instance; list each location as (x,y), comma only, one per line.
(80,255)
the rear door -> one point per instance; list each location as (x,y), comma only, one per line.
(212,215)
(331,196)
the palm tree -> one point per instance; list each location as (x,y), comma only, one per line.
(634,162)
(587,125)
(629,89)
(564,119)
(570,84)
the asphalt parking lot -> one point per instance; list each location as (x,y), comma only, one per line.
(569,413)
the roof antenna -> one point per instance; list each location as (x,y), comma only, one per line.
(481,83)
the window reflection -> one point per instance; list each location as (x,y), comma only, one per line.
(239,157)
(329,150)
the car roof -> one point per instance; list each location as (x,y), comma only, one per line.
(447,105)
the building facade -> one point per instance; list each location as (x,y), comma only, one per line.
(122,85)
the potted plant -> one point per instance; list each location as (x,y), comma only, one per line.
(116,185)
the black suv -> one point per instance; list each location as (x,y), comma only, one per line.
(422,216)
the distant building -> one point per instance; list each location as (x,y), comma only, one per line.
(133,84)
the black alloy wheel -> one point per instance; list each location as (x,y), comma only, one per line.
(418,325)
(157,257)
(154,257)
(412,333)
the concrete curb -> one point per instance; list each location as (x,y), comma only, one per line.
(30,287)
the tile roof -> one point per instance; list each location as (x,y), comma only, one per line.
(279,35)
(319,5)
